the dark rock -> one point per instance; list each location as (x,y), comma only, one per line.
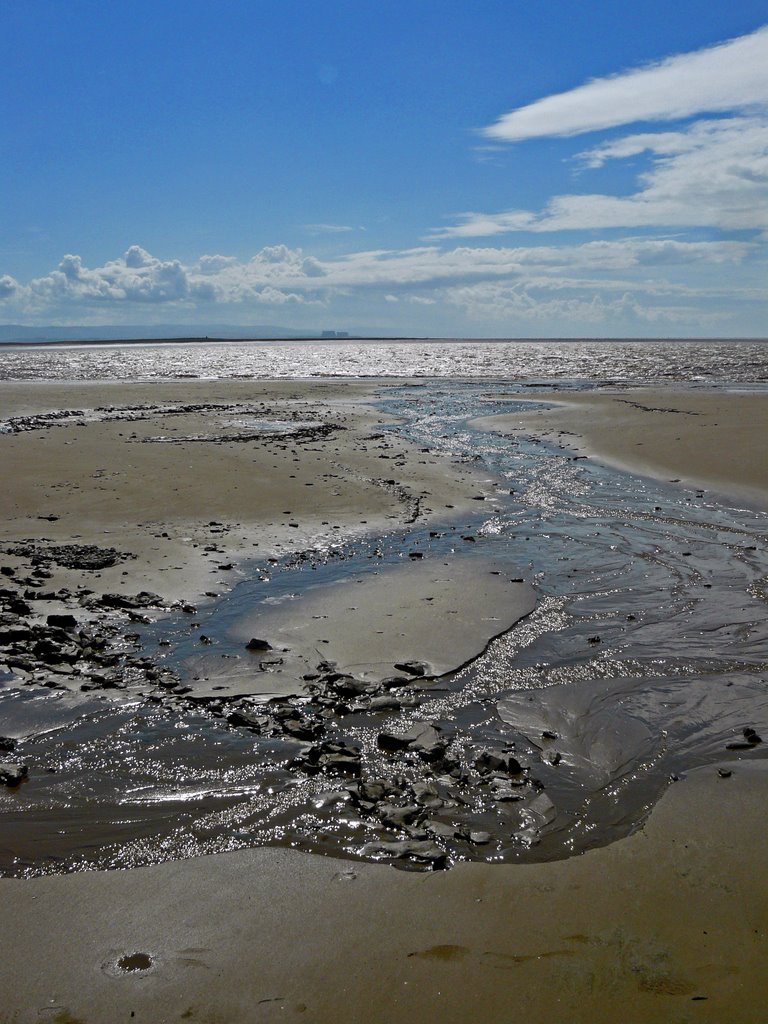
(480,838)
(348,686)
(398,817)
(301,728)
(426,795)
(392,682)
(254,644)
(384,704)
(144,599)
(413,668)
(724,773)
(422,737)
(751,735)
(498,762)
(6,743)
(12,774)
(17,605)
(51,652)
(15,634)
(249,719)
(442,829)
(70,556)
(62,621)
(422,851)
(330,755)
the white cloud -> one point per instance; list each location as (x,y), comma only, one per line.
(713,173)
(587,284)
(728,77)
(8,287)
(587,310)
(330,229)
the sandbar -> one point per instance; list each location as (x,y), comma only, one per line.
(697,438)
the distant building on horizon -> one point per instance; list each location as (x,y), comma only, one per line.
(335,334)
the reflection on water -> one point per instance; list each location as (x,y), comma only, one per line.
(639,362)
(645,656)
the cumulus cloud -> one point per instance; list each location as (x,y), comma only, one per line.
(484,282)
(731,76)
(8,286)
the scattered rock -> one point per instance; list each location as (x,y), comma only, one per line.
(69,556)
(497,762)
(144,599)
(12,774)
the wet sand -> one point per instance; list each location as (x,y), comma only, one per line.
(713,440)
(177,467)
(669,924)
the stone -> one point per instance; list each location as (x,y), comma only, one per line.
(7,743)
(12,774)
(144,599)
(398,817)
(348,686)
(423,851)
(427,795)
(442,829)
(255,644)
(62,621)
(384,704)
(413,668)
(498,762)
(249,719)
(70,556)
(480,838)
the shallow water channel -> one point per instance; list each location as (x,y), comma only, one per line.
(646,655)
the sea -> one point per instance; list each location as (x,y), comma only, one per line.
(605,361)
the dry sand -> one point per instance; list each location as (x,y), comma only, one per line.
(667,925)
(713,440)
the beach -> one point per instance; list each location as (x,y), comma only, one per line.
(698,438)
(193,483)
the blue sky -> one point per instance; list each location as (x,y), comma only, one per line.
(485,168)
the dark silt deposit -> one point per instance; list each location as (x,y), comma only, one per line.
(646,656)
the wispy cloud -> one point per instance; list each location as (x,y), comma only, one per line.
(330,229)
(732,76)
(713,173)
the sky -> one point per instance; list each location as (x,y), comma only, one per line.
(455,168)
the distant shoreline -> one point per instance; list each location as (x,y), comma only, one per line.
(207,340)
